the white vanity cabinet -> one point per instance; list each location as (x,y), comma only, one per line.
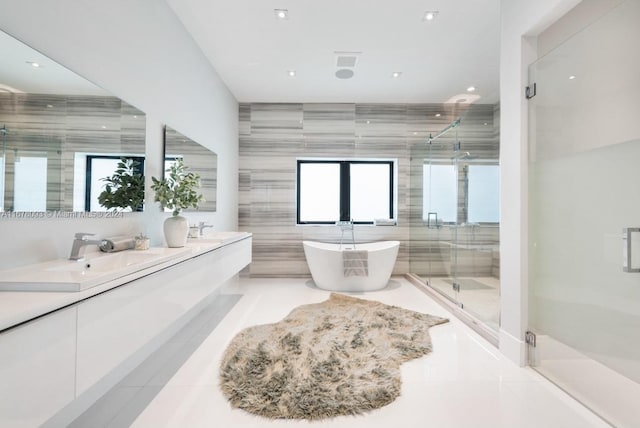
(118,329)
(37,369)
(54,367)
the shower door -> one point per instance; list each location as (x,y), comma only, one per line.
(584,215)
(434,213)
(455,222)
(3,149)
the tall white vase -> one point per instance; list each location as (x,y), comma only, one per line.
(176,229)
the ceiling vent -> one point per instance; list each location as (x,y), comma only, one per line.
(346,58)
(346,61)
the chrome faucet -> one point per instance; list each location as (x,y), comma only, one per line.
(202,226)
(80,241)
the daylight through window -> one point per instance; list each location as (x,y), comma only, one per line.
(343,190)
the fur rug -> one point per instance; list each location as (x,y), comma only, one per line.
(338,357)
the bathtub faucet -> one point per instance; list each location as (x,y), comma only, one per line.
(346,225)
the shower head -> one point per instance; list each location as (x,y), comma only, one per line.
(464,156)
(468,156)
(4,129)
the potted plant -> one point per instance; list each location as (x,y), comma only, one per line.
(177,191)
(125,188)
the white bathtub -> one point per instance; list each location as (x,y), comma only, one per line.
(326,265)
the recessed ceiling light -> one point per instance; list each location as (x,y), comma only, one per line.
(438,115)
(415,133)
(471,88)
(572,77)
(486,123)
(291,73)
(281,13)
(103,127)
(34,64)
(430,15)
(396,74)
(368,122)
(49,106)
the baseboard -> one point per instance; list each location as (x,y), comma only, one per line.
(513,348)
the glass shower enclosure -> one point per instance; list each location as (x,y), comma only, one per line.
(3,150)
(584,215)
(455,215)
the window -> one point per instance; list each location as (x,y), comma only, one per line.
(470,193)
(97,168)
(343,190)
(30,183)
(440,199)
(484,194)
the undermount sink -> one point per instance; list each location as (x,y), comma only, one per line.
(106,263)
(96,269)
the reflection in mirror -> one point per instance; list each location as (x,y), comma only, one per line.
(198,159)
(53,123)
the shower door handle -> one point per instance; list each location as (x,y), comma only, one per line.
(627,247)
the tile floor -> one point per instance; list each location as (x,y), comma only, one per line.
(464,382)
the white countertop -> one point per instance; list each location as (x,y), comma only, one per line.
(17,307)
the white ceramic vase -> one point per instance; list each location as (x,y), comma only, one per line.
(176,229)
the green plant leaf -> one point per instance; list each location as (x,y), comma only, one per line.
(177,191)
(125,188)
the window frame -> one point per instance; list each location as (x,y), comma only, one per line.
(345,187)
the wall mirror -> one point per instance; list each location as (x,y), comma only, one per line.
(198,159)
(60,135)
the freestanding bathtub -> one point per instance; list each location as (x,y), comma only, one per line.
(327,266)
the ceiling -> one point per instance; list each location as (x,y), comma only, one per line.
(17,74)
(253,50)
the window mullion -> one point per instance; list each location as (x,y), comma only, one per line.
(345,192)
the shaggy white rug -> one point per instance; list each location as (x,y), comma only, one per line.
(338,357)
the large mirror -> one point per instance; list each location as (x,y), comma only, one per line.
(198,159)
(60,135)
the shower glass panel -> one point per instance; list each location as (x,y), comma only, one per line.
(455,214)
(3,149)
(584,138)
(439,213)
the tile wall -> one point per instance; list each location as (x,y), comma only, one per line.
(273,136)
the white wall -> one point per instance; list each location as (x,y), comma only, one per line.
(140,52)
(580,17)
(521,21)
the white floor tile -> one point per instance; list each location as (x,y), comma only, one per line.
(464,382)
